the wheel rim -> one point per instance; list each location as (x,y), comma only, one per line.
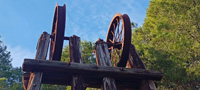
(119,39)
(57,33)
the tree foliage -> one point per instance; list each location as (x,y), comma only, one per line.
(169,41)
(10,78)
(5,62)
(87,49)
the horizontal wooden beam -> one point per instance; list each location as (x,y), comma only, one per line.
(31,65)
(90,81)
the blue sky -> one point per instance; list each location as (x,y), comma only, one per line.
(22,21)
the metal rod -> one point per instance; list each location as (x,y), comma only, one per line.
(66,38)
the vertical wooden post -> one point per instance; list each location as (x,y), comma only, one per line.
(136,62)
(103,59)
(41,53)
(75,56)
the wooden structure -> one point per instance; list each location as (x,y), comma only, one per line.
(80,75)
(130,72)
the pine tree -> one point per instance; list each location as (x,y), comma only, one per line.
(5,67)
(10,78)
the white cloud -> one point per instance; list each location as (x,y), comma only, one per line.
(18,54)
(90,19)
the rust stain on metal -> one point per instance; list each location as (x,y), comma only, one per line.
(57,33)
(119,39)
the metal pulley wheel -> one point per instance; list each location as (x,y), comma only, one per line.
(57,33)
(119,39)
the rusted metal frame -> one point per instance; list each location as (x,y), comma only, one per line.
(136,62)
(57,33)
(103,59)
(113,34)
(75,56)
(34,82)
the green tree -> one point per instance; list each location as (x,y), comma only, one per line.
(5,62)
(53,87)
(65,54)
(88,54)
(3,85)
(10,78)
(87,49)
(5,67)
(169,41)
(16,79)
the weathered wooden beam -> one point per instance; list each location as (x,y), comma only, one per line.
(34,81)
(75,49)
(136,62)
(75,56)
(87,69)
(103,59)
(90,81)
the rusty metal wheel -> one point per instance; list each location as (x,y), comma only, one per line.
(57,33)
(119,39)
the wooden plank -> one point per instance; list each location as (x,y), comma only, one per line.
(88,70)
(75,49)
(65,79)
(103,59)
(75,56)
(136,62)
(42,49)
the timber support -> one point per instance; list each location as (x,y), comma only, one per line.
(75,56)
(35,78)
(80,75)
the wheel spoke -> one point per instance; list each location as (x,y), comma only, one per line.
(114,26)
(113,36)
(112,33)
(111,41)
(117,37)
(110,48)
(117,33)
(121,33)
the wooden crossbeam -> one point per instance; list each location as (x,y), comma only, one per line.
(30,65)
(90,81)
